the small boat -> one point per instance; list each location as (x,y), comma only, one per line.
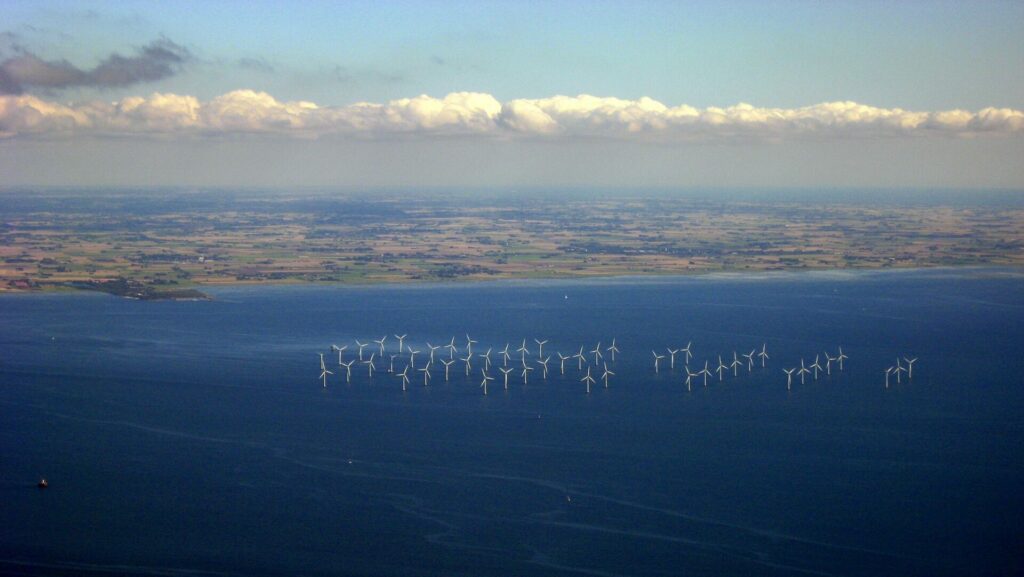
(42,484)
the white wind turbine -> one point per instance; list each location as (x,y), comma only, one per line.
(750,360)
(689,378)
(706,373)
(828,363)
(544,364)
(446,364)
(404,375)
(672,357)
(426,374)
(361,347)
(816,366)
(561,361)
(348,370)
(401,342)
(523,350)
(526,371)
(803,371)
(606,374)
(369,364)
(735,364)
(686,350)
(380,342)
(540,347)
(597,353)
(391,363)
(613,349)
(841,357)
(722,367)
(888,371)
(451,349)
(899,369)
(412,356)
(789,377)
(487,377)
(432,349)
(469,344)
(657,358)
(579,356)
(505,355)
(469,364)
(339,349)
(323,370)
(487,359)
(910,367)
(589,380)
(505,372)
(763,354)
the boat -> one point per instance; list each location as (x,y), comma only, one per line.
(42,484)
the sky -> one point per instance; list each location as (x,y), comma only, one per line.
(515,93)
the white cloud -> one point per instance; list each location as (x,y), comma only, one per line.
(472,113)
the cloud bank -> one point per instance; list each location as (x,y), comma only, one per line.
(247,112)
(155,61)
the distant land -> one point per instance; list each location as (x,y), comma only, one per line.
(167,243)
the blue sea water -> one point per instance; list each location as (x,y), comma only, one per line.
(194,438)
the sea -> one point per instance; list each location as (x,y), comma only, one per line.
(191,438)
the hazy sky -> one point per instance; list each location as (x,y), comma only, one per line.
(513,93)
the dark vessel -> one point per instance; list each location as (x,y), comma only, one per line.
(42,484)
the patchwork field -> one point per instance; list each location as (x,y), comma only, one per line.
(160,244)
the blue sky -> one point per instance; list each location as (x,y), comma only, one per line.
(926,57)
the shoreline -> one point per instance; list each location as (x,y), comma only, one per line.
(197,292)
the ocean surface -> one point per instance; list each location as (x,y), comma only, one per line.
(195,438)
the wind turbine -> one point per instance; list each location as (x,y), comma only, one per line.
(899,369)
(446,364)
(597,353)
(750,360)
(544,364)
(803,371)
(412,356)
(657,358)
(404,376)
(401,341)
(348,370)
(468,360)
(469,344)
(828,363)
(505,372)
(361,346)
(487,360)
(391,363)
(323,370)
(579,356)
(841,357)
(689,377)
(451,349)
(735,364)
(540,347)
(588,379)
(606,374)
(526,370)
(432,349)
(381,343)
(339,349)
(763,354)
(888,371)
(522,349)
(369,364)
(789,377)
(613,349)
(672,359)
(910,367)
(487,377)
(686,350)
(561,361)
(722,367)
(816,366)
(426,374)
(706,373)
(504,353)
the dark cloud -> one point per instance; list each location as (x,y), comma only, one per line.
(157,60)
(256,64)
